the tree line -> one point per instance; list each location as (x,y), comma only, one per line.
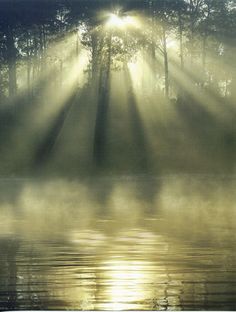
(203,31)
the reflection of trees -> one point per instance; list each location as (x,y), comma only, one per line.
(12,273)
(152,262)
(9,249)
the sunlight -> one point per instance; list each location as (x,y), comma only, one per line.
(189,80)
(131,21)
(77,69)
(74,74)
(140,73)
(118,155)
(115,21)
(60,51)
(125,285)
(136,71)
(172,44)
(121,21)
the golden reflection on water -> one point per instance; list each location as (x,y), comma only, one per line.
(124,285)
(178,255)
(119,272)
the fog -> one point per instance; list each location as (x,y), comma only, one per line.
(57,206)
(117,155)
(118,243)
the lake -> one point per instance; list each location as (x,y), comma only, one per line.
(118,243)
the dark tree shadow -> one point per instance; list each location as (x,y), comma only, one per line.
(99,143)
(141,160)
(215,138)
(45,148)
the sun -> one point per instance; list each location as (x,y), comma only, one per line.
(172,44)
(121,21)
(115,21)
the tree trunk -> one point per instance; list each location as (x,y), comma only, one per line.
(11,62)
(102,109)
(181,41)
(28,64)
(41,40)
(192,23)
(35,57)
(61,72)
(94,62)
(204,60)
(77,45)
(233,86)
(204,52)
(166,69)
(1,84)
(204,42)
(191,41)
(153,50)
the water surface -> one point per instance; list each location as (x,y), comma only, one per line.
(118,244)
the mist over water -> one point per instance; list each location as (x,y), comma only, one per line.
(118,244)
(117,155)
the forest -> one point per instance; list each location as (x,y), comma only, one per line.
(117,155)
(144,87)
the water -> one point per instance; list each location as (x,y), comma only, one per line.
(118,244)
